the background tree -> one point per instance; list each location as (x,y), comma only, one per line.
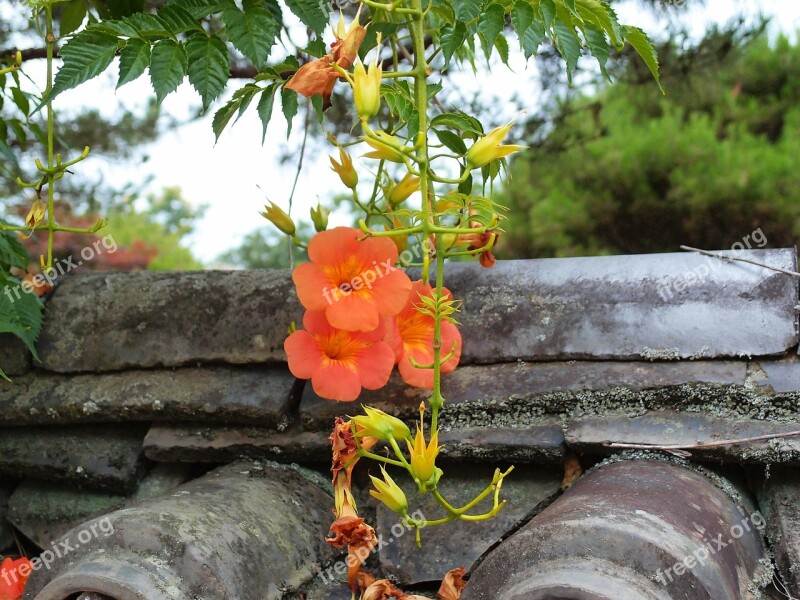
(627,170)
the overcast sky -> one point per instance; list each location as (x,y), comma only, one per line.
(236,176)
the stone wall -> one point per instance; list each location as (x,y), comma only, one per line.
(147,380)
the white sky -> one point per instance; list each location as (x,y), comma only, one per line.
(236,176)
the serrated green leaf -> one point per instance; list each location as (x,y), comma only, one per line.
(547,8)
(85,56)
(452,38)
(451,141)
(491,24)
(522,16)
(532,38)
(371,38)
(119,9)
(290,106)
(119,28)
(312,13)
(573,10)
(264,108)
(199,8)
(20,313)
(223,116)
(252,31)
(178,19)
(12,252)
(316,48)
(72,15)
(598,46)
(148,25)
(245,96)
(602,15)
(501,45)
(467,10)
(21,100)
(568,44)
(133,60)
(638,39)
(458,120)
(209,66)
(168,66)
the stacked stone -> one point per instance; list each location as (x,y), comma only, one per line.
(147,380)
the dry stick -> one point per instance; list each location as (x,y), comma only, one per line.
(737,259)
(702,445)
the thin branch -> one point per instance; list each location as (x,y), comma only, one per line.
(737,259)
(682,448)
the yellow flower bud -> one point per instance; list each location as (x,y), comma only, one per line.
(386,147)
(400,192)
(18,58)
(488,148)
(367,89)
(423,457)
(319,217)
(36,213)
(381,426)
(345,169)
(388,492)
(280,219)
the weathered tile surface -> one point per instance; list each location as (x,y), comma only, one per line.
(6,538)
(44,512)
(102,457)
(111,321)
(493,390)
(779,502)
(14,356)
(202,443)
(589,434)
(540,442)
(657,306)
(461,543)
(250,395)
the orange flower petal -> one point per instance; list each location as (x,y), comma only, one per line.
(303,353)
(354,313)
(315,77)
(334,245)
(312,283)
(391,292)
(375,365)
(421,378)
(452,584)
(334,381)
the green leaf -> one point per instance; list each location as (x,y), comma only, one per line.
(458,120)
(168,67)
(72,15)
(178,19)
(199,8)
(371,38)
(490,26)
(598,46)
(644,47)
(547,8)
(85,56)
(21,100)
(452,38)
(532,38)
(20,313)
(289,103)
(223,116)
(148,25)
(251,31)
(312,13)
(451,141)
(467,10)
(602,15)
(501,44)
(117,28)
(522,16)
(12,252)
(209,66)
(264,108)
(133,60)
(568,44)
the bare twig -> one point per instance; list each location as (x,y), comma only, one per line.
(737,259)
(682,449)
